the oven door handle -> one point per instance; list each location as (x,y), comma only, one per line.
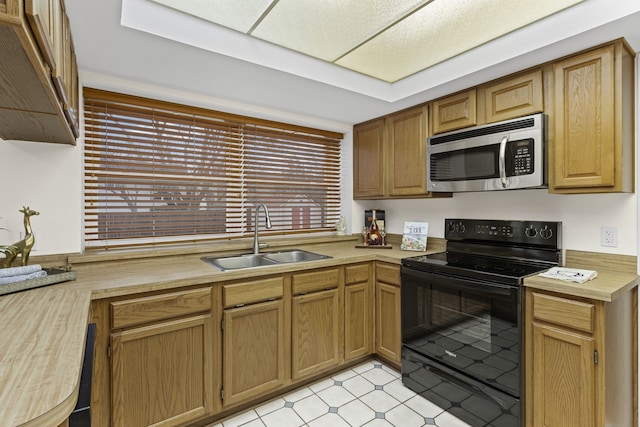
(468,387)
(460,284)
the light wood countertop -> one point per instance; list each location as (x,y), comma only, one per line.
(41,354)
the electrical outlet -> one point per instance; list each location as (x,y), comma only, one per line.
(609,236)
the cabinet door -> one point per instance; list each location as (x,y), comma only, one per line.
(368,160)
(358,320)
(563,378)
(253,361)
(388,335)
(454,112)
(582,154)
(407,152)
(45,21)
(513,97)
(315,327)
(162,375)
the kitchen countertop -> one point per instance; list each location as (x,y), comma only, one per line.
(41,354)
(45,362)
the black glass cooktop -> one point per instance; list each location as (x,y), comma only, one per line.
(503,270)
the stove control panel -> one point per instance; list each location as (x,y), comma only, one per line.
(516,232)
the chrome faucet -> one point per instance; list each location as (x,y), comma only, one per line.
(256,245)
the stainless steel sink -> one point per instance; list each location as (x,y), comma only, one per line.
(294,256)
(236,262)
(239,261)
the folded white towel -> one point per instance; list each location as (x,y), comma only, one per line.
(12,279)
(570,274)
(19,271)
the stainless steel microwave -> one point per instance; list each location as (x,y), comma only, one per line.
(500,156)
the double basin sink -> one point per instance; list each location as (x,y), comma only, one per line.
(236,262)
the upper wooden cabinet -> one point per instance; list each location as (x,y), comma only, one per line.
(39,91)
(454,112)
(368,160)
(503,99)
(390,157)
(511,97)
(591,139)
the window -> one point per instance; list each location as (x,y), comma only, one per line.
(158,173)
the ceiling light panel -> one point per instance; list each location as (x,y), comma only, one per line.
(239,15)
(330,28)
(441,30)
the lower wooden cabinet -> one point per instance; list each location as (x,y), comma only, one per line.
(574,376)
(162,359)
(358,311)
(387,312)
(253,339)
(315,333)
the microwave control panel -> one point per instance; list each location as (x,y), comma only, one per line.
(521,155)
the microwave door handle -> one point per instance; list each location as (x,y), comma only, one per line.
(502,163)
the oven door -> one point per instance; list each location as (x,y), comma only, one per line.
(473,327)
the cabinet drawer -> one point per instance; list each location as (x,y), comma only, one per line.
(250,292)
(159,307)
(388,273)
(318,280)
(356,273)
(565,312)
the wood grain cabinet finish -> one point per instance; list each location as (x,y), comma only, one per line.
(512,97)
(316,338)
(389,156)
(454,112)
(576,377)
(253,359)
(387,312)
(358,311)
(162,374)
(39,98)
(591,149)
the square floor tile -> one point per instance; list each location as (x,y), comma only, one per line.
(356,413)
(310,408)
(329,420)
(379,422)
(364,367)
(298,394)
(284,417)
(358,386)
(336,396)
(398,390)
(378,376)
(321,385)
(270,407)
(424,407)
(379,401)
(448,420)
(343,376)
(404,416)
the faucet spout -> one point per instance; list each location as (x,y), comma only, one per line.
(256,244)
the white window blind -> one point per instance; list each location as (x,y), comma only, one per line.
(159,173)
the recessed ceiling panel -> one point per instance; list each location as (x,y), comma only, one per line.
(239,15)
(441,30)
(328,29)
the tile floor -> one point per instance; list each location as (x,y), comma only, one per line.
(370,395)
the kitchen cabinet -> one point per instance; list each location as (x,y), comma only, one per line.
(454,112)
(387,312)
(575,376)
(591,138)
(39,95)
(316,338)
(389,156)
(358,311)
(162,359)
(511,97)
(253,339)
(368,160)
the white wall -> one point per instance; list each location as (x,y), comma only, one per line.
(48,178)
